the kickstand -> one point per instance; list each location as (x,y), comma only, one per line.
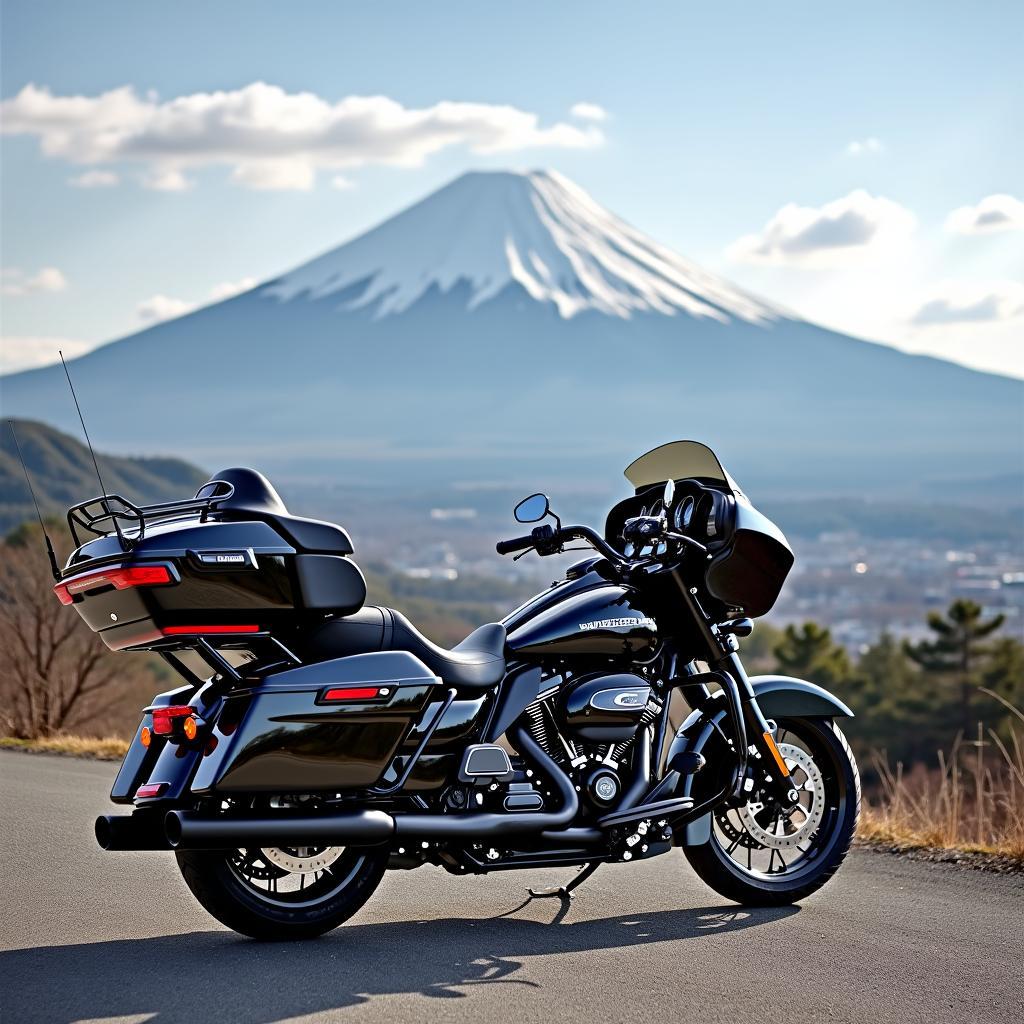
(564,892)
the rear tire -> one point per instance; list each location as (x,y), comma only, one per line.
(814,861)
(223,890)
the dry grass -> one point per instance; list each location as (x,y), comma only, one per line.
(109,748)
(973,800)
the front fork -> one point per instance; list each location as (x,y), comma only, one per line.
(753,737)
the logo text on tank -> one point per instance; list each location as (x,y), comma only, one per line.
(629,622)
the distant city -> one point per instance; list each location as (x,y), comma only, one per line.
(858,584)
(862,587)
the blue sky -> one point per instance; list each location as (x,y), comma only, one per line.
(863,166)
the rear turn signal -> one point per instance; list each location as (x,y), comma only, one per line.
(120,578)
(146,736)
(190,727)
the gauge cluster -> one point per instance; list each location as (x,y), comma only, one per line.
(698,511)
(745,556)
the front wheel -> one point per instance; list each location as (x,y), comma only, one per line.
(761,856)
(283,893)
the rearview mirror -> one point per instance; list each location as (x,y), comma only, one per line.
(531,509)
(670,493)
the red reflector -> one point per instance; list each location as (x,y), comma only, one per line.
(352,693)
(149,790)
(121,578)
(187,630)
(163,718)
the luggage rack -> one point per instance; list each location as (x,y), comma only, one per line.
(116,509)
(271,655)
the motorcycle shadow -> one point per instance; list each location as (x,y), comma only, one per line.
(168,979)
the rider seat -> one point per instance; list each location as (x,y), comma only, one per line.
(478,662)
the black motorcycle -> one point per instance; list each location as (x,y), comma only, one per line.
(316,742)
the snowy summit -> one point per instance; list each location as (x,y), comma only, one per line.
(540,231)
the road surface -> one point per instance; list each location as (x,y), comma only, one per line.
(93,936)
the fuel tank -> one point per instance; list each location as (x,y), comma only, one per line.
(604,620)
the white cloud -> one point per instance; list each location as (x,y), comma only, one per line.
(864,147)
(341,183)
(275,175)
(162,307)
(165,307)
(841,232)
(229,289)
(23,352)
(589,112)
(994,213)
(957,302)
(268,137)
(95,179)
(16,282)
(167,179)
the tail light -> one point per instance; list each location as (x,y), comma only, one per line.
(118,577)
(164,718)
(150,790)
(200,630)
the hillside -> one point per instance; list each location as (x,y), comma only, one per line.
(62,473)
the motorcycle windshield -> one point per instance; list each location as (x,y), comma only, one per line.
(678,460)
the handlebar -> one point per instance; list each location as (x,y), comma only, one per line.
(506,547)
(548,541)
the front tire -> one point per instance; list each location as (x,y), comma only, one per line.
(283,894)
(757,857)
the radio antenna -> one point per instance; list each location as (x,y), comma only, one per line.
(39,515)
(92,452)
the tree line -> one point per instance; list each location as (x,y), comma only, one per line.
(910,699)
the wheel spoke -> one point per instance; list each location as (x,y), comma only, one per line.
(770,832)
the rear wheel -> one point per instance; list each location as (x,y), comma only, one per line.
(761,856)
(281,892)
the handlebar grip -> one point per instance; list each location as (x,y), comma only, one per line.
(506,547)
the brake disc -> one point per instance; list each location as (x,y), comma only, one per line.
(302,860)
(787,829)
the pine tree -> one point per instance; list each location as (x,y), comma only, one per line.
(958,652)
(894,705)
(810,653)
(1004,671)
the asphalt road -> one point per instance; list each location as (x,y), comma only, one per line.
(91,936)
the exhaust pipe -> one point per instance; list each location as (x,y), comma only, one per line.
(188,830)
(494,826)
(139,831)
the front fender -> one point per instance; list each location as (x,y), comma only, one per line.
(778,697)
(786,697)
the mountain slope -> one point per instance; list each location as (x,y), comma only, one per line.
(509,327)
(537,230)
(62,472)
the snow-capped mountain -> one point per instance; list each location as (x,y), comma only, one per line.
(509,326)
(537,230)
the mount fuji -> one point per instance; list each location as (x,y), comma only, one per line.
(508,325)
